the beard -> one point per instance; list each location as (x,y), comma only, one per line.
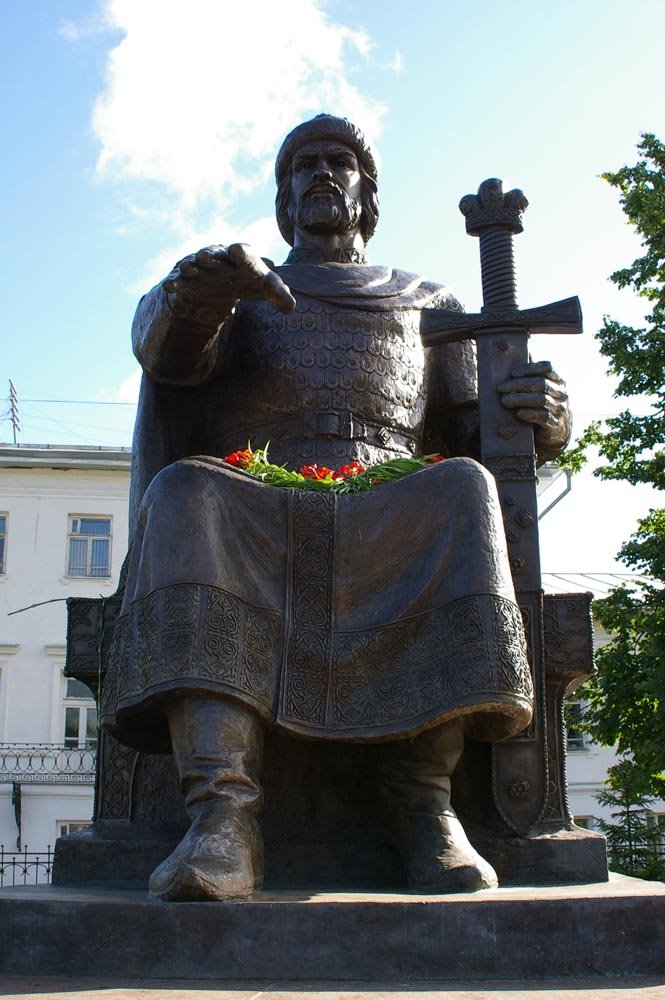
(315,213)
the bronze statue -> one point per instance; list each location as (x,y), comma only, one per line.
(385,617)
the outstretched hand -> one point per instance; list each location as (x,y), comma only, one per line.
(537,395)
(218,275)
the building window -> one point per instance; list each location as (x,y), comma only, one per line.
(584,822)
(577,739)
(80,715)
(3,544)
(89,548)
(66,826)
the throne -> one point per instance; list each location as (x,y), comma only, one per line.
(321,820)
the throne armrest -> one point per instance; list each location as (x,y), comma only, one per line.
(568,634)
(90,624)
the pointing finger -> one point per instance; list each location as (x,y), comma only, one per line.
(278,293)
(274,288)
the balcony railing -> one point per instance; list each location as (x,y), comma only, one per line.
(47,763)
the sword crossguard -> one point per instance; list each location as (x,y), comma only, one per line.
(495,218)
(445,326)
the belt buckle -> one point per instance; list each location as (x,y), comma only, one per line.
(329,424)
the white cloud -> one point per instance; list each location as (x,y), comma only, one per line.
(73,31)
(196,103)
(396,64)
(126,391)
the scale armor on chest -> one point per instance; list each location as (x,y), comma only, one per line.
(321,357)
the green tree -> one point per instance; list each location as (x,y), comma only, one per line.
(632,444)
(634,841)
(627,697)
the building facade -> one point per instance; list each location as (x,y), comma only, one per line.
(63,532)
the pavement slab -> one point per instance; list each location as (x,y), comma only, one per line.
(41,988)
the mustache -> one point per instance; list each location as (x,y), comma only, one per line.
(320,186)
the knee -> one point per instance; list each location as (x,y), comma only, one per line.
(179,485)
(467,474)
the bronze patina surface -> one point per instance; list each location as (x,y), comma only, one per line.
(387,619)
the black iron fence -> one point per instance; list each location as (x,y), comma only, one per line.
(25,867)
(46,763)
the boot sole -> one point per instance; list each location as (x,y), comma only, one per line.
(191,885)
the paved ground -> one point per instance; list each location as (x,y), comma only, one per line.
(25,988)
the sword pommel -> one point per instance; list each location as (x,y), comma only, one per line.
(491,207)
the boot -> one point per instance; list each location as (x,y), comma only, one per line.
(418,815)
(217,747)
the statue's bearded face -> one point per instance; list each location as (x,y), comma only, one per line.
(326,188)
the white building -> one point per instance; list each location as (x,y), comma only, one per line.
(63,532)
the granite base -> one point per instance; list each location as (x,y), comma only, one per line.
(603,929)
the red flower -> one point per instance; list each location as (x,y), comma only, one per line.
(350,471)
(240,459)
(316,472)
(434,458)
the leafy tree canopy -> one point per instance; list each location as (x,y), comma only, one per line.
(633,444)
(627,697)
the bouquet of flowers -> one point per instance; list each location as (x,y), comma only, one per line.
(350,478)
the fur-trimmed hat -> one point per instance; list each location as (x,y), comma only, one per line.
(326,127)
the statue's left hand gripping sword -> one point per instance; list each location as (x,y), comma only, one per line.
(501,330)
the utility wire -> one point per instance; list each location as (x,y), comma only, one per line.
(58,423)
(81,402)
(77,423)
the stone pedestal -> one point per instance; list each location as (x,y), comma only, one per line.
(613,928)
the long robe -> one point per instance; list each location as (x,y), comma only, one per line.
(342,617)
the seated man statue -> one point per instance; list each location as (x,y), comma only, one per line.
(386,616)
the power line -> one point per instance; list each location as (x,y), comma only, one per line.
(72,423)
(81,402)
(600,575)
(51,420)
(113,402)
(42,419)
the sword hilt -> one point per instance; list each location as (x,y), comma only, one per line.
(495,218)
(497,268)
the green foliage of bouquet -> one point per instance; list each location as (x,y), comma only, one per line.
(350,478)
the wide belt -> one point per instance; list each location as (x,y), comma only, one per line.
(331,425)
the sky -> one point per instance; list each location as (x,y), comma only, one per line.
(140,130)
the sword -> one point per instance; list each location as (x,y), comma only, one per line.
(501,330)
